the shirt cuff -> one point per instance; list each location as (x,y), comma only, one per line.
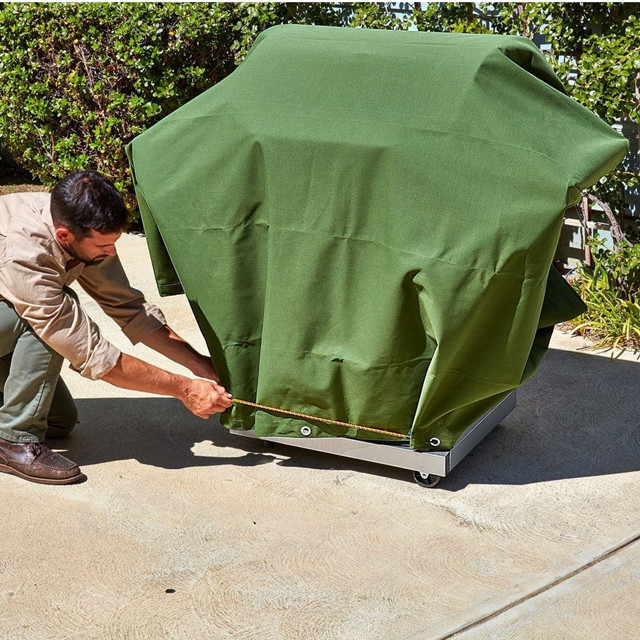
(144,323)
(104,356)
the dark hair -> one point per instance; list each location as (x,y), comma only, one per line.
(86,201)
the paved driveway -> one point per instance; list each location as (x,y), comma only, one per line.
(184,531)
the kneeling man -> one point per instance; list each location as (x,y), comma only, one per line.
(46,243)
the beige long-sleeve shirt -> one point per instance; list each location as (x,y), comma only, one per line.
(33,277)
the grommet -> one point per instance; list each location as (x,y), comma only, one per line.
(305,431)
(434,442)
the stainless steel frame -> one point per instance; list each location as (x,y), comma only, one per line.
(400,455)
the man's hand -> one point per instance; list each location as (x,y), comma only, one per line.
(203,398)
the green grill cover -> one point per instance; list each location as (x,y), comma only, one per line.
(364,222)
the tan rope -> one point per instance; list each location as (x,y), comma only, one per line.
(326,420)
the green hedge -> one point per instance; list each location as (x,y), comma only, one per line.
(79,81)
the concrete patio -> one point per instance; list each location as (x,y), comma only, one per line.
(184,531)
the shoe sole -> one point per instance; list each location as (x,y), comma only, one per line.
(77,478)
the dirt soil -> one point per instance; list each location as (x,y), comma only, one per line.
(17,181)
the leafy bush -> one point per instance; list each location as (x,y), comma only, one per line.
(79,81)
(611,291)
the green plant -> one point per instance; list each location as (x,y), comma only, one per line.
(80,80)
(611,291)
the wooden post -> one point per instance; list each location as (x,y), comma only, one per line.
(586,217)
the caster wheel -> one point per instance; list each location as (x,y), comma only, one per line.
(269,445)
(426,479)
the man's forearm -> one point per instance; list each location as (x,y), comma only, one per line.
(172,346)
(137,375)
(201,397)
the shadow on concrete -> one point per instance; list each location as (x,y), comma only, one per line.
(154,431)
(579,416)
(162,433)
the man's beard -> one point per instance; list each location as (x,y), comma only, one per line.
(82,258)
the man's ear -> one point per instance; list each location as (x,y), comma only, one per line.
(63,235)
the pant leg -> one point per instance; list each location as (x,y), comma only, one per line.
(63,415)
(33,375)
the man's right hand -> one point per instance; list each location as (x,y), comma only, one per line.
(204,398)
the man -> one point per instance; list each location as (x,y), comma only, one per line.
(46,243)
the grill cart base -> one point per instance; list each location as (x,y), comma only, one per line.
(428,466)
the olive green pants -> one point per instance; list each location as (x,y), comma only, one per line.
(35,399)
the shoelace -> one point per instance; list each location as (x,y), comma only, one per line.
(37,449)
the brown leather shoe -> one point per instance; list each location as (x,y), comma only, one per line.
(36,462)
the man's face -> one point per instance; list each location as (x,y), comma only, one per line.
(91,249)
